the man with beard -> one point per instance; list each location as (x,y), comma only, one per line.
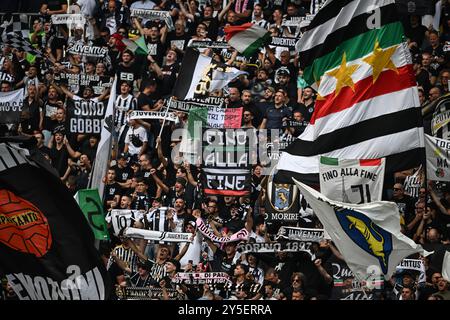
(128,70)
(51,104)
(178,37)
(172,193)
(307,108)
(283,77)
(249,104)
(276,113)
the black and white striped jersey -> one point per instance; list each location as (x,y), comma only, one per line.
(127,255)
(123,105)
(157,219)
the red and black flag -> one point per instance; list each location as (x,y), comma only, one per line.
(46,245)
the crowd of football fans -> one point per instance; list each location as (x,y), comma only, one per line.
(144,176)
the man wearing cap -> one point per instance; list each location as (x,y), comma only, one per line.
(172,193)
(283,77)
(124,173)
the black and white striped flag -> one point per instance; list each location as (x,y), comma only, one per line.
(367,105)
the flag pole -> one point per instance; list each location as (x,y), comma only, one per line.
(164,120)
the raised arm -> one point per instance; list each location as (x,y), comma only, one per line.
(158,181)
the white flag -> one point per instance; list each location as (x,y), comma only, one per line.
(101,164)
(446,266)
(437,158)
(367,235)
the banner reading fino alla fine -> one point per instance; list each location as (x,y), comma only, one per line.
(352,181)
(437,151)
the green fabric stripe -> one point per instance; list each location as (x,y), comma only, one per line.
(355,48)
(197,115)
(329,161)
(260,42)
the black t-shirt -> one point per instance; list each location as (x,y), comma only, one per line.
(111,190)
(156,49)
(143,100)
(221,263)
(123,174)
(169,77)
(178,41)
(59,159)
(54,4)
(127,73)
(49,110)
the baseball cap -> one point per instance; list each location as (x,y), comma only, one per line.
(123,155)
(176,263)
(283,71)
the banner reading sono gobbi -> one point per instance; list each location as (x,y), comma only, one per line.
(46,245)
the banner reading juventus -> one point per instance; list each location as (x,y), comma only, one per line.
(153,235)
(352,181)
(300,234)
(226,163)
(438,160)
(47,248)
(154,15)
(158,115)
(11,106)
(88,51)
(77,19)
(85,116)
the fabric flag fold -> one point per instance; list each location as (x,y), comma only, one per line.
(137,46)
(103,155)
(247,38)
(367,235)
(367,105)
(47,248)
(192,69)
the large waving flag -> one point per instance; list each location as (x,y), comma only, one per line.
(200,75)
(247,38)
(47,248)
(368,235)
(367,105)
(103,155)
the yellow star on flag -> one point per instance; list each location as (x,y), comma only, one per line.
(381,59)
(343,75)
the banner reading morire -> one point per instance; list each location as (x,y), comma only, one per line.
(85,116)
(11,106)
(352,181)
(46,245)
(282,204)
(226,163)
(438,160)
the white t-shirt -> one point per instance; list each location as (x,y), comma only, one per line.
(141,133)
(193,252)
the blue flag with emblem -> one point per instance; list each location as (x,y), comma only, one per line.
(367,235)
